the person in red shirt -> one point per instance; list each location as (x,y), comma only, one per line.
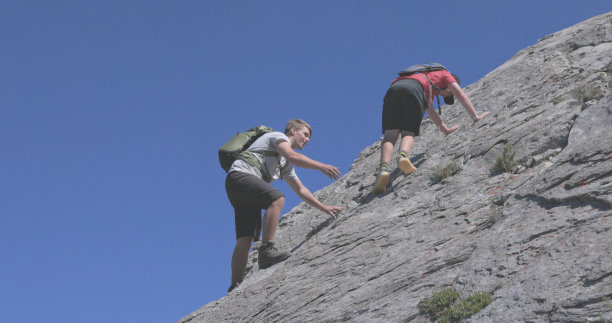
(404,105)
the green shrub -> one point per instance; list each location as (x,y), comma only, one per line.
(505,163)
(582,94)
(466,308)
(441,305)
(444,172)
(438,303)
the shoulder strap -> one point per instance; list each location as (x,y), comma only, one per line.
(249,157)
(431,87)
(427,67)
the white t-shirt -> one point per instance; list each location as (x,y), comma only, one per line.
(275,165)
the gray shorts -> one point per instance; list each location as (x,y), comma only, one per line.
(249,194)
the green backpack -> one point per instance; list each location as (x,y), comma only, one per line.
(239,143)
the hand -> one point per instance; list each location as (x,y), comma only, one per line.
(332,210)
(330,171)
(478,118)
(448,131)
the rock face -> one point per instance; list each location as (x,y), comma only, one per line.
(538,239)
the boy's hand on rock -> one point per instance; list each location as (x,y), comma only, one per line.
(482,115)
(333,210)
(448,131)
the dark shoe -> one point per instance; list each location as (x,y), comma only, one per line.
(232,286)
(270,255)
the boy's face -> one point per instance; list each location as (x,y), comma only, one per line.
(445,92)
(301,136)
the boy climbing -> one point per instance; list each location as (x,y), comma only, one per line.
(406,100)
(270,157)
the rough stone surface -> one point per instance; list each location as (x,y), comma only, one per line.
(538,240)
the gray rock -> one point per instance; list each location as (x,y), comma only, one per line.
(539,240)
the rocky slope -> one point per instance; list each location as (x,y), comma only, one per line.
(537,239)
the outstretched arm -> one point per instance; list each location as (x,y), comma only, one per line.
(457,92)
(303,192)
(303,161)
(438,121)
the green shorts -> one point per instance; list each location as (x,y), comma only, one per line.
(249,194)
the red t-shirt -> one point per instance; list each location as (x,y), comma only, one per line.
(441,79)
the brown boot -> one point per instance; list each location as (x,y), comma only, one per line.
(270,255)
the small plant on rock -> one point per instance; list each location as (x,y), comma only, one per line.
(505,163)
(466,308)
(438,303)
(444,172)
(582,94)
(441,306)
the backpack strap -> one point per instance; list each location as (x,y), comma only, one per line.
(251,159)
(431,87)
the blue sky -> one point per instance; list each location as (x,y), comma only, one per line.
(112,200)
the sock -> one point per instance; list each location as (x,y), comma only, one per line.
(384,166)
(403,154)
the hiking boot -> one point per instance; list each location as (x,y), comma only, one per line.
(270,255)
(232,286)
(380,186)
(405,165)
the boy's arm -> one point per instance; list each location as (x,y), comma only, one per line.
(457,92)
(436,119)
(303,161)
(306,196)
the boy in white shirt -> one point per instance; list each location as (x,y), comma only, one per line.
(248,190)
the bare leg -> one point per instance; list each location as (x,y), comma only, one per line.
(405,146)
(386,151)
(407,141)
(240,258)
(270,219)
(268,253)
(388,144)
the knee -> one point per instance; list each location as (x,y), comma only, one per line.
(390,138)
(406,134)
(244,242)
(280,202)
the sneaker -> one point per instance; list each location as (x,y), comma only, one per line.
(406,166)
(232,286)
(270,255)
(380,186)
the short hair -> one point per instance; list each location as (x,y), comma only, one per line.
(297,124)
